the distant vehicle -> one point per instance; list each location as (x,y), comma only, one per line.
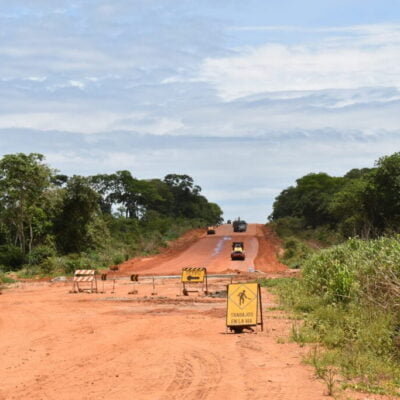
(239,225)
(238,251)
(211,230)
(229,221)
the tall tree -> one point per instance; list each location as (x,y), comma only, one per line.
(384,193)
(24,179)
(79,209)
(185,193)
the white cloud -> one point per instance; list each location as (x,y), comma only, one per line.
(89,122)
(335,62)
(77,84)
(36,78)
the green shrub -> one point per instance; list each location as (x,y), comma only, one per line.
(296,252)
(118,258)
(52,265)
(76,261)
(349,298)
(288,226)
(40,253)
(11,257)
(5,279)
(29,271)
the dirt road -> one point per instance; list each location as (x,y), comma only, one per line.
(213,252)
(57,345)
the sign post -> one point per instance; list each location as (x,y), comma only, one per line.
(244,308)
(134,279)
(194,275)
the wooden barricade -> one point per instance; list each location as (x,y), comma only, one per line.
(85,276)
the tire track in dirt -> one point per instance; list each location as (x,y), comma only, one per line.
(248,348)
(197,375)
(148,348)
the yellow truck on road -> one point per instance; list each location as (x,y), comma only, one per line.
(211,230)
(238,251)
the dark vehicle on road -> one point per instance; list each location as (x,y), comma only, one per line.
(239,225)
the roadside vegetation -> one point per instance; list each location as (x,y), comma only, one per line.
(344,235)
(52,223)
(349,299)
(321,210)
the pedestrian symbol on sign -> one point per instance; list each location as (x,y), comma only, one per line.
(242,297)
(243,306)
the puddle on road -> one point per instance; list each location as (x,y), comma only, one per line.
(218,248)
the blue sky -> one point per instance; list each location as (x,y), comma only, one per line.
(243,96)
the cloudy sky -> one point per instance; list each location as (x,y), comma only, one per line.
(245,96)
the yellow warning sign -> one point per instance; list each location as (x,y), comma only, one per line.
(193,275)
(243,304)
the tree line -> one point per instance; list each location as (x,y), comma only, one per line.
(44,214)
(363,203)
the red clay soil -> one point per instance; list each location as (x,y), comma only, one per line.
(175,247)
(60,346)
(213,252)
(269,247)
(155,344)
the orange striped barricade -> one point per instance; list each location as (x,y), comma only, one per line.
(194,276)
(84,276)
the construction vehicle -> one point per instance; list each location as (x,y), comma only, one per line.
(211,230)
(238,251)
(239,225)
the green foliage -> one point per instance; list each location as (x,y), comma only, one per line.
(363,203)
(51,265)
(319,237)
(57,223)
(11,257)
(5,279)
(308,200)
(349,208)
(348,297)
(288,226)
(24,180)
(357,269)
(176,197)
(296,252)
(384,193)
(79,208)
(40,253)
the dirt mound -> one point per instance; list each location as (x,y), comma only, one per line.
(269,247)
(175,247)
